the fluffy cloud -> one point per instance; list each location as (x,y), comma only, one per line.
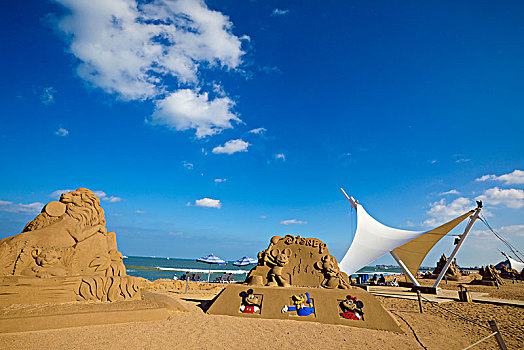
(258,131)
(208,203)
(514,178)
(278,12)
(293,221)
(100,194)
(133,49)
(220,180)
(511,198)
(31,208)
(61,132)
(441,211)
(450,192)
(506,231)
(186,109)
(231,147)
(280,156)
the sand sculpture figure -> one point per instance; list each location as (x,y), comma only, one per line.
(69,243)
(302,305)
(351,308)
(297,261)
(509,273)
(251,302)
(490,274)
(452,271)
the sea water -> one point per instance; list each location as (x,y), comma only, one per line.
(153,268)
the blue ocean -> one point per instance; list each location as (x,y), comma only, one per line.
(153,268)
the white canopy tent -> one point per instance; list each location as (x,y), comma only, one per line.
(373,240)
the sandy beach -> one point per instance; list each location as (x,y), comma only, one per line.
(194,329)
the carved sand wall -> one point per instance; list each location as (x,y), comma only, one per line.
(297,261)
(67,243)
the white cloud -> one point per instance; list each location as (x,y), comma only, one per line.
(258,131)
(433,161)
(462,160)
(450,192)
(208,203)
(231,147)
(58,193)
(140,212)
(175,234)
(134,50)
(186,109)
(20,208)
(220,180)
(281,156)
(112,199)
(187,165)
(441,211)
(61,132)
(511,198)
(48,95)
(514,178)
(263,216)
(293,221)
(505,231)
(279,12)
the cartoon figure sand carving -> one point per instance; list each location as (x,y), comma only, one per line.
(251,303)
(352,308)
(302,304)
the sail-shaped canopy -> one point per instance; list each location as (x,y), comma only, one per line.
(413,252)
(515,265)
(373,240)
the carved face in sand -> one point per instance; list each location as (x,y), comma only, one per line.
(46,257)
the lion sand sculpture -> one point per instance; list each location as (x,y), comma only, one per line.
(64,254)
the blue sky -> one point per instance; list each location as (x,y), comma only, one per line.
(210,127)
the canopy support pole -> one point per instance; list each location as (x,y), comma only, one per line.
(472,220)
(405,269)
(350,199)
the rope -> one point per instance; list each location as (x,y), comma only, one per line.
(480,341)
(415,334)
(510,247)
(465,318)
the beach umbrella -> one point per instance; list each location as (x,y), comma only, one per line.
(245,261)
(211,259)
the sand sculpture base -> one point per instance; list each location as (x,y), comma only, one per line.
(33,290)
(23,318)
(353,307)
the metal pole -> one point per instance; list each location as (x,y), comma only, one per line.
(420,302)
(405,269)
(350,199)
(187,281)
(474,217)
(500,341)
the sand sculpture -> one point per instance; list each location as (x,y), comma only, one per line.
(296,278)
(506,272)
(490,275)
(452,271)
(65,254)
(297,261)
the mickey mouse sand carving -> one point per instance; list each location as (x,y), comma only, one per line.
(277,259)
(251,303)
